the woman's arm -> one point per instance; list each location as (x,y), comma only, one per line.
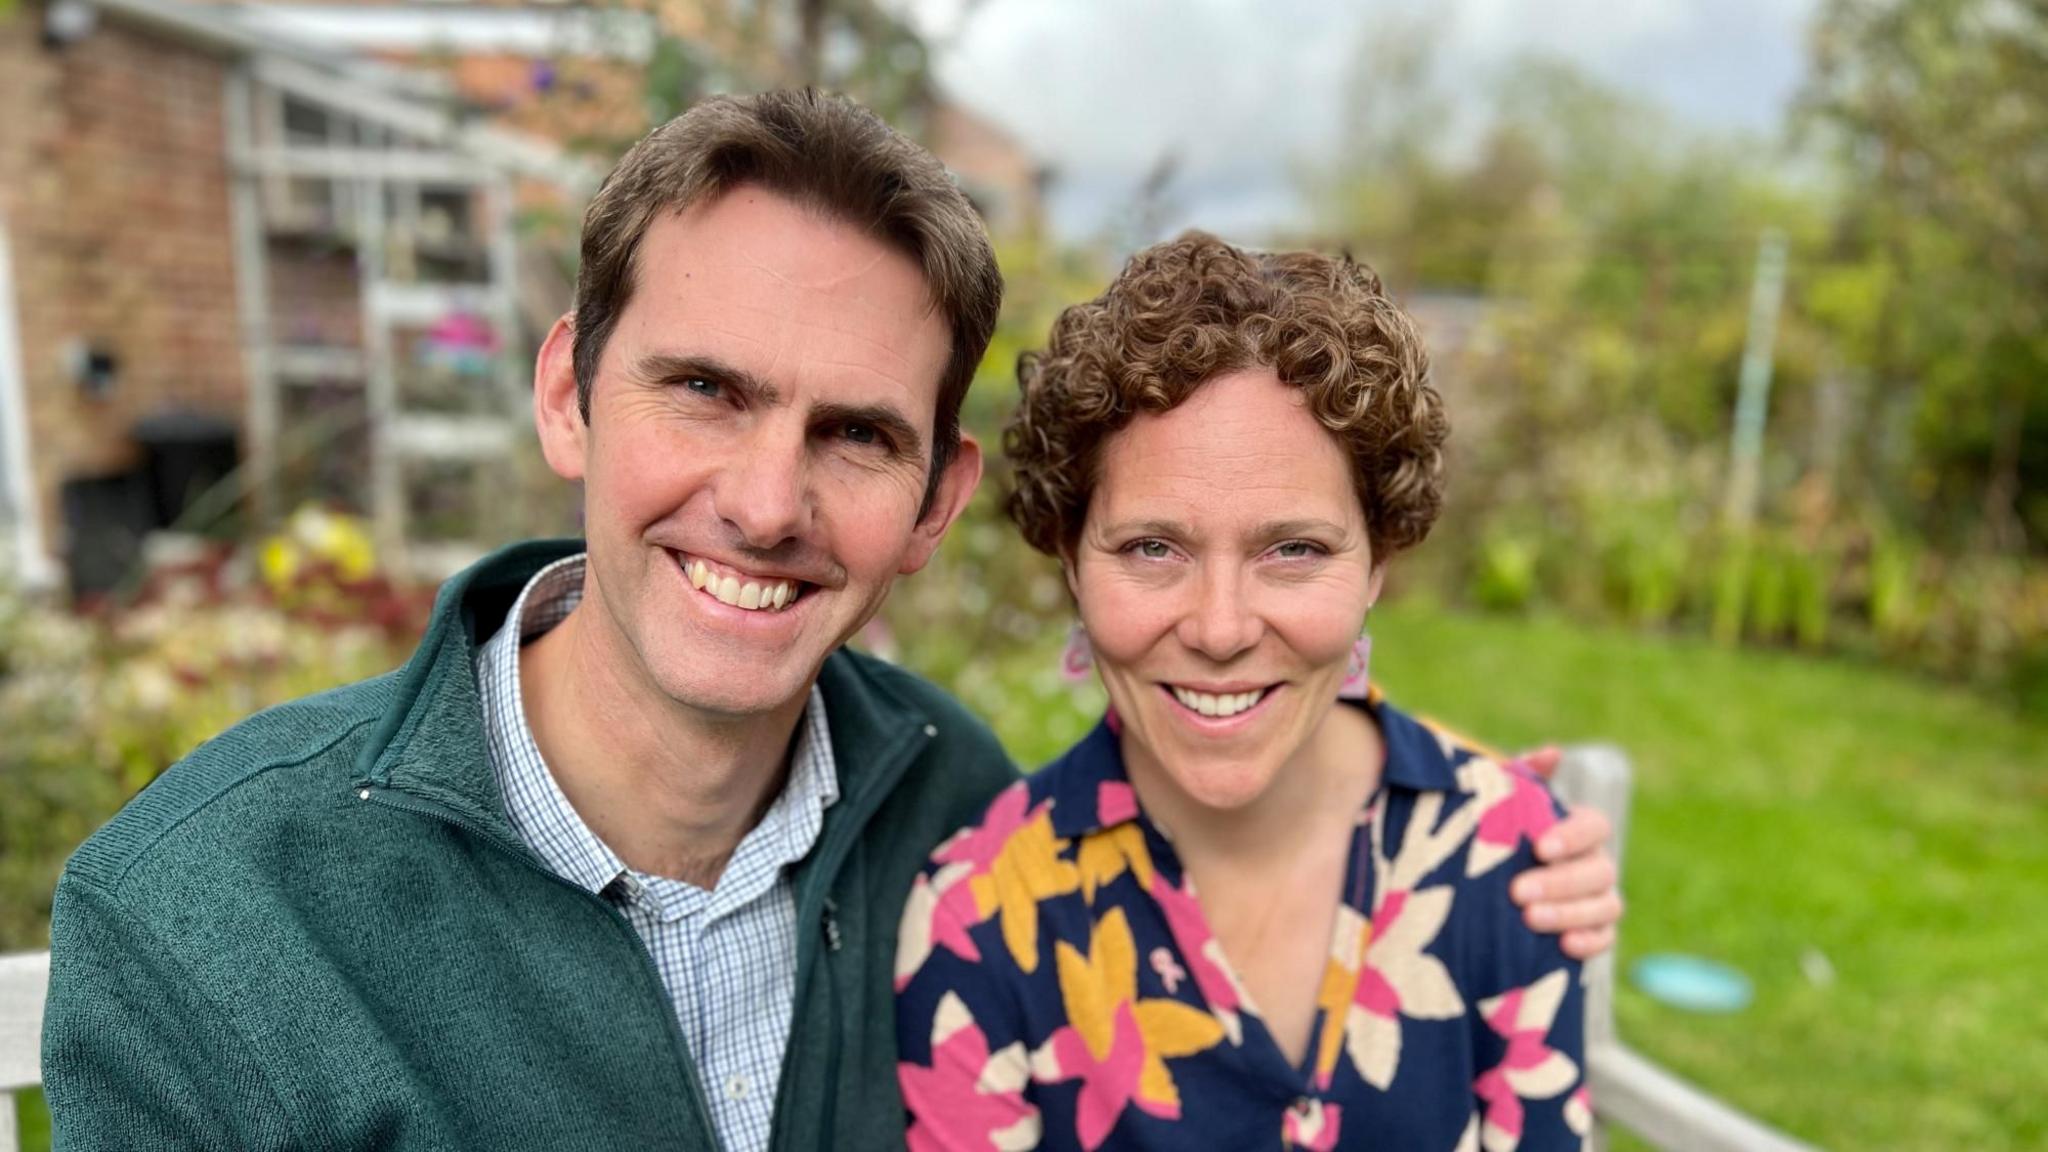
(1530,1025)
(962,1064)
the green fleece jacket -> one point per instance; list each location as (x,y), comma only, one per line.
(319,931)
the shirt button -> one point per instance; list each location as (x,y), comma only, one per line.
(1303,1106)
(736,1088)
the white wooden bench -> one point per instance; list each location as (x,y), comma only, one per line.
(1628,1090)
(23,979)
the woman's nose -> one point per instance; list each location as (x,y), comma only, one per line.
(1221,623)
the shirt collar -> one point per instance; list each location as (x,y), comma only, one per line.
(535,803)
(1091,790)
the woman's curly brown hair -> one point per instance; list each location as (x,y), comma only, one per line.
(1192,309)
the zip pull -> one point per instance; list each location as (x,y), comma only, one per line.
(831,922)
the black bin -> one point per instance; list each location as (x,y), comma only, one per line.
(105,519)
(184,455)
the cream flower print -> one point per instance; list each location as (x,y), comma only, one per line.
(994,1116)
(1530,1069)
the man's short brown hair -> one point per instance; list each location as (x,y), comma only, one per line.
(822,151)
(1185,312)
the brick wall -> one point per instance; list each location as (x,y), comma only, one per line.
(114,190)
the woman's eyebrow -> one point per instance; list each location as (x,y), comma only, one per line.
(1307,526)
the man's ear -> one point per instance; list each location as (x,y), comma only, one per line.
(556,414)
(956,488)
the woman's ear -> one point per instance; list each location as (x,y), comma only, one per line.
(1375,582)
(1067,571)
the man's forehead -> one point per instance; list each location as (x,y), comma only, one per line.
(806,248)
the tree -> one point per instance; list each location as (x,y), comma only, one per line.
(1939,113)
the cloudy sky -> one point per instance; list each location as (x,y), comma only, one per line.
(1243,90)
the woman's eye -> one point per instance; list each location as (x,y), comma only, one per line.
(1296,550)
(1152,549)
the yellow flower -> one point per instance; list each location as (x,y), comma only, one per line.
(1104,855)
(1027,871)
(1094,987)
(1340,985)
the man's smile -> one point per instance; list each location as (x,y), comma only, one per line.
(739,588)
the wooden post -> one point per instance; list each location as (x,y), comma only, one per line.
(24,981)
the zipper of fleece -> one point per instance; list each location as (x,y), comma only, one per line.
(817,921)
(393,798)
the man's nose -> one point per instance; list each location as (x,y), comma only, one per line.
(766,493)
(1222,622)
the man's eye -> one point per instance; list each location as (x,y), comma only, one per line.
(862,434)
(703,387)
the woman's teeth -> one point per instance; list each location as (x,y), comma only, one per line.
(1212,705)
(771,596)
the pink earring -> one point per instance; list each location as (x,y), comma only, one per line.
(1357,681)
(1077,663)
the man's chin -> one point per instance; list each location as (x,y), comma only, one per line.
(737,696)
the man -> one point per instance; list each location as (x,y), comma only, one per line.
(616,860)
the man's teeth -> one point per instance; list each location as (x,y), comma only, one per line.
(771,596)
(1212,705)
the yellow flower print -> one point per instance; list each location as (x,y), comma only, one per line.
(1025,872)
(1116,1044)
(1104,855)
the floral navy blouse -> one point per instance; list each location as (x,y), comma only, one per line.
(1059,988)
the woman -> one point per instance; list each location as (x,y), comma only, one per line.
(1224,451)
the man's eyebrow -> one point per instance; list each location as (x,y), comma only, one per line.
(658,367)
(882,417)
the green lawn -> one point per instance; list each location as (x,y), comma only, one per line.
(1897,827)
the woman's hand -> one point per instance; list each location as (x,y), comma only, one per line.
(1573,892)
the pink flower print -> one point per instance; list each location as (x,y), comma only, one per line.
(1212,974)
(1578,1112)
(936,914)
(970,1098)
(1514,806)
(1109,1083)
(981,844)
(1313,1127)
(1530,1069)
(1395,978)
(1116,1042)
(1015,864)
(1115,802)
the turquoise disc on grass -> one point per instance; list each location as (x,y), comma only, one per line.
(1693,983)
